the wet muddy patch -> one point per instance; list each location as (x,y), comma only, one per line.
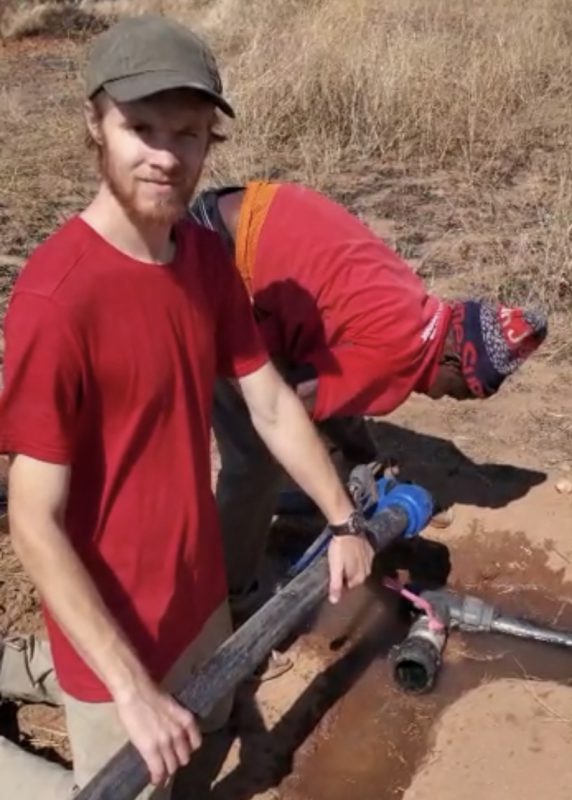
(375,738)
(336,726)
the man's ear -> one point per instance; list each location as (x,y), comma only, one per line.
(93,122)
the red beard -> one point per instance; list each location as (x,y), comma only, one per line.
(159,211)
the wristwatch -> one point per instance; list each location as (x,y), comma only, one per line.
(355,525)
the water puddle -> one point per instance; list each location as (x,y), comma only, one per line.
(375,737)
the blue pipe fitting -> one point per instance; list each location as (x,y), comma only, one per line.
(414,500)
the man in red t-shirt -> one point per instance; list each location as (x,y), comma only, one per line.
(116,331)
(352,326)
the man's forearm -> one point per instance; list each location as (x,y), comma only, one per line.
(293,440)
(283,424)
(72,597)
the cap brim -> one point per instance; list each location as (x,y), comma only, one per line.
(137,87)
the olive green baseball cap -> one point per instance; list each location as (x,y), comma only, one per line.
(140,56)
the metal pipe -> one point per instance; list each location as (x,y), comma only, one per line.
(469,613)
(529,630)
(415,662)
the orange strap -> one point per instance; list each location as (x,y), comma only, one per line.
(257,199)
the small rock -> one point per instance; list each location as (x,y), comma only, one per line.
(443,519)
(564,486)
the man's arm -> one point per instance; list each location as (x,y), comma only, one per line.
(164,733)
(282,423)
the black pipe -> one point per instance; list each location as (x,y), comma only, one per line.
(415,662)
(126,773)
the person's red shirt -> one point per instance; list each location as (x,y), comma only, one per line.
(328,292)
(109,367)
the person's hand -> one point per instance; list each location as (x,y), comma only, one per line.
(164,733)
(350,558)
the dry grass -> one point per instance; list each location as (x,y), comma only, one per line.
(482,90)
(420,81)
(52,18)
(329,91)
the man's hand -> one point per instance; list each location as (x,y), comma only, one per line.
(350,558)
(164,733)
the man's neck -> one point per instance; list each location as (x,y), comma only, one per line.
(144,242)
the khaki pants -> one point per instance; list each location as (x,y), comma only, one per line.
(94,729)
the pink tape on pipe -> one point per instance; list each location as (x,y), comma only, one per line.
(435,623)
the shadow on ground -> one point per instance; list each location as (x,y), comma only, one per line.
(266,756)
(449,474)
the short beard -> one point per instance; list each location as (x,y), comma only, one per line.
(163,212)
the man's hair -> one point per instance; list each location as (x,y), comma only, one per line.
(217,136)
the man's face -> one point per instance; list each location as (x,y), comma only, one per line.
(449,382)
(152,152)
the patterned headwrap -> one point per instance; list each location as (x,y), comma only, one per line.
(493,341)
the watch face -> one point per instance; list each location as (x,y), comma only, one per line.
(351,526)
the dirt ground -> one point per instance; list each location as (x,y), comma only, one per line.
(499,723)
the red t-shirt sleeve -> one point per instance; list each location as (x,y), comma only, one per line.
(239,344)
(39,403)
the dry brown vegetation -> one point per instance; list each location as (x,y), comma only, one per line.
(52,18)
(451,118)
